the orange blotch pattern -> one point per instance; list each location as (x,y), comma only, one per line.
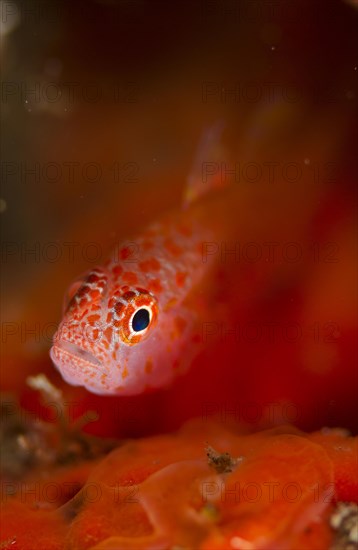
(130,278)
(124,372)
(128,296)
(125,253)
(93,318)
(149,265)
(180,324)
(155,286)
(180,278)
(117,270)
(148,366)
(170,304)
(173,248)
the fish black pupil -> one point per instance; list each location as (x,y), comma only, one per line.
(140,320)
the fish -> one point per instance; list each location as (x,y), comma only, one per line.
(133,324)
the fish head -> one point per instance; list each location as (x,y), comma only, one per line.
(118,339)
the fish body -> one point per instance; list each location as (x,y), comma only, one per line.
(127,326)
(133,324)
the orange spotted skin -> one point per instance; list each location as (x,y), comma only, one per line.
(97,345)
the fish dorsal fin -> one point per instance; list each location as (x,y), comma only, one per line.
(206,172)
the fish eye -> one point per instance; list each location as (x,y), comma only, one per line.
(141,319)
(134,313)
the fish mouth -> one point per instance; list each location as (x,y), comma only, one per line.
(73,353)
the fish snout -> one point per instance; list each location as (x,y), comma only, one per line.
(77,365)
